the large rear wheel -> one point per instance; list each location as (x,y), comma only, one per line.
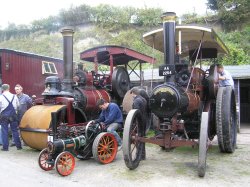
(105,148)
(226,119)
(203,144)
(132,147)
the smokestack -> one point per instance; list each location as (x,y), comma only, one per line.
(169,40)
(67,59)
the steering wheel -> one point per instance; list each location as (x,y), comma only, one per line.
(87,127)
(98,125)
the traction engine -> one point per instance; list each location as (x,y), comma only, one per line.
(58,123)
(93,141)
(189,107)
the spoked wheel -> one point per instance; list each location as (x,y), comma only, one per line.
(104,148)
(65,163)
(203,144)
(132,148)
(43,160)
(226,119)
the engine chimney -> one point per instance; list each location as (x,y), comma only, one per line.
(68,61)
(169,44)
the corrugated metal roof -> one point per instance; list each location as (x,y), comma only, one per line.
(237,72)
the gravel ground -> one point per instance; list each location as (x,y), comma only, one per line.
(176,168)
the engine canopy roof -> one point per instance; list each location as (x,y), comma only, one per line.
(191,35)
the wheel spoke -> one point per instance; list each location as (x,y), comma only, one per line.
(134,130)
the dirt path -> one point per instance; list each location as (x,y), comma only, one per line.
(176,168)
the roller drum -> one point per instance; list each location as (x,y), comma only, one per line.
(35,124)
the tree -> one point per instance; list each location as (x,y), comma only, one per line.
(233,13)
(237,56)
(49,24)
(212,4)
(75,15)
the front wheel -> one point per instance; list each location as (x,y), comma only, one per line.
(132,147)
(43,160)
(203,144)
(65,163)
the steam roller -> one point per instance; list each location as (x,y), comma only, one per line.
(35,124)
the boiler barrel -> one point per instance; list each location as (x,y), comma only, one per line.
(35,124)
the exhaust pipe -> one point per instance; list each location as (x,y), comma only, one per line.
(168,19)
(67,82)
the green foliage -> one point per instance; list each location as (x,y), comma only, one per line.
(236,57)
(240,38)
(238,44)
(75,15)
(109,25)
(212,4)
(233,14)
(14,31)
(49,25)
(149,17)
(111,17)
(193,18)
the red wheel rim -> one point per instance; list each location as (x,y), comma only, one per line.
(107,148)
(65,163)
(43,160)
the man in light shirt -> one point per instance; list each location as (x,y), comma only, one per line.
(9,104)
(225,78)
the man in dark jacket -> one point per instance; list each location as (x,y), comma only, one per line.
(25,103)
(111,117)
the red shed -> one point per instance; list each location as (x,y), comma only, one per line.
(27,69)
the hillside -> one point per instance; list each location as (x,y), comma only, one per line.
(108,25)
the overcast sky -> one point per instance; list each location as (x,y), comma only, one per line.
(25,11)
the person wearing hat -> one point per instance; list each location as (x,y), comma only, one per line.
(9,105)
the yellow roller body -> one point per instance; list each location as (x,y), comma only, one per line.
(35,124)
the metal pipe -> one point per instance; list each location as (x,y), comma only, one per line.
(179,50)
(169,40)
(67,58)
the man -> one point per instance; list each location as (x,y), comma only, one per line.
(25,103)
(140,103)
(225,78)
(24,100)
(111,117)
(8,115)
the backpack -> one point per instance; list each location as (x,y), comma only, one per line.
(9,113)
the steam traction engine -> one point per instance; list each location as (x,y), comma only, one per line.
(189,106)
(60,123)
